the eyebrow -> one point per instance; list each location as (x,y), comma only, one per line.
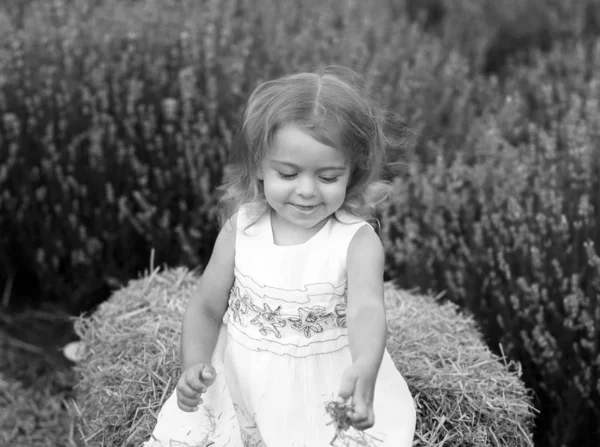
(292,165)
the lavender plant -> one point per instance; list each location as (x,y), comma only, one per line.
(512,239)
(115,119)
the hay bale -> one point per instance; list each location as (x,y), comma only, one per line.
(464,395)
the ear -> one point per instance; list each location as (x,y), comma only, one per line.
(259,172)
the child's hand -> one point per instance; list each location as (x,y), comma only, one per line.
(358,382)
(193,382)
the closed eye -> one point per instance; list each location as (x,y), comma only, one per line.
(285,176)
(323,179)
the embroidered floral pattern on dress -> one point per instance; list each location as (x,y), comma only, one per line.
(340,312)
(268,320)
(238,304)
(308,319)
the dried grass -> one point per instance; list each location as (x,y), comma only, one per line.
(464,395)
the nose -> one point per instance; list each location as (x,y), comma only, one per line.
(305,186)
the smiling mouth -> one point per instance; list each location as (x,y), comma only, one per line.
(305,208)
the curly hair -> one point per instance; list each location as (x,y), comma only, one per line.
(333,106)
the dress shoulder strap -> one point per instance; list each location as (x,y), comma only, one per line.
(248,215)
(343,230)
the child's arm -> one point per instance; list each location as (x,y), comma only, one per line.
(366,322)
(205,310)
(365,315)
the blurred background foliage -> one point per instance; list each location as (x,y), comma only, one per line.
(116,118)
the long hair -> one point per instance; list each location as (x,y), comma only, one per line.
(333,106)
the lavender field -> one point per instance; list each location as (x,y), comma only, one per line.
(115,123)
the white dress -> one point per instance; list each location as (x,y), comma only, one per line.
(282,350)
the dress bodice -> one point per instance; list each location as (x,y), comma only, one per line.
(290,300)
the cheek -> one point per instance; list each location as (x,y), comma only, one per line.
(276,187)
(336,193)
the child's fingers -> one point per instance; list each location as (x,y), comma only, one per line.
(359,414)
(193,381)
(362,418)
(190,388)
(187,403)
(208,375)
(187,399)
(362,415)
(185,390)
(188,407)
(360,408)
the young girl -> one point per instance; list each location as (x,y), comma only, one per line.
(289,312)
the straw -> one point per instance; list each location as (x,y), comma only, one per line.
(464,394)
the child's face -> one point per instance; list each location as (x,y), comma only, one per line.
(304,180)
